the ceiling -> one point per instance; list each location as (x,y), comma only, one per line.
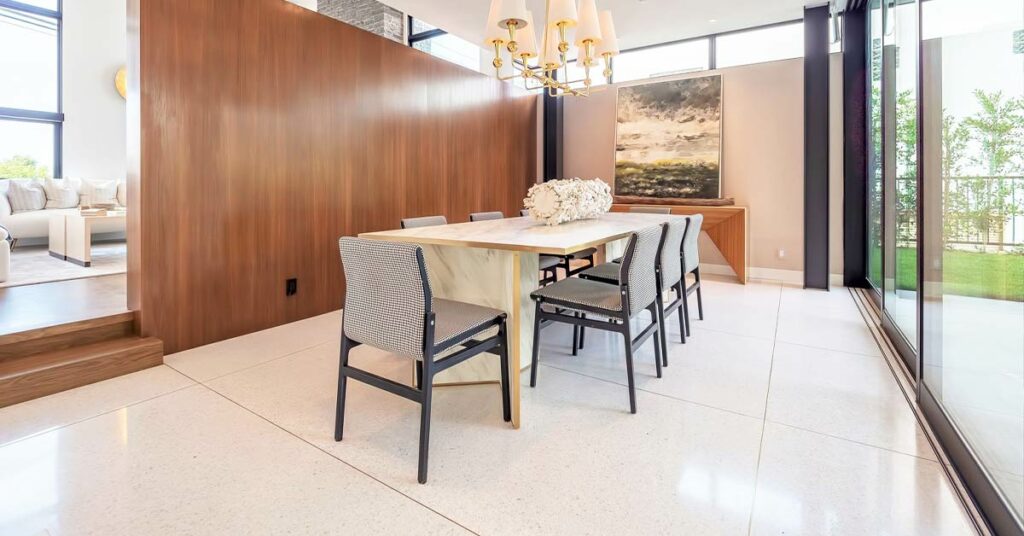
(637,22)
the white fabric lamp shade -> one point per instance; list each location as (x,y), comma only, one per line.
(609,41)
(527,38)
(589,27)
(551,55)
(512,10)
(494,32)
(563,11)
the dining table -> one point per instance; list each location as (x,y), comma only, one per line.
(494,263)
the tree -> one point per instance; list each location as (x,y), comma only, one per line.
(22,167)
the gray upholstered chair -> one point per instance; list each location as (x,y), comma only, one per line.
(484,216)
(651,210)
(669,271)
(691,265)
(423,221)
(565,261)
(570,299)
(395,311)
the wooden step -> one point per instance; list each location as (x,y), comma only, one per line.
(45,373)
(61,337)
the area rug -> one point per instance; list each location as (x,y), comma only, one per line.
(33,264)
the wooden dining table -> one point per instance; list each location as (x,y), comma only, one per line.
(494,263)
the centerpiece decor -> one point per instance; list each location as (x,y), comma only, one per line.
(566,200)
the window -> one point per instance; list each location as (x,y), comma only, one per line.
(439,43)
(30,108)
(577,72)
(663,60)
(772,43)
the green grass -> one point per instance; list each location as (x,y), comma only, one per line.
(965,273)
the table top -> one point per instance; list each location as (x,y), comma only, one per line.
(527,234)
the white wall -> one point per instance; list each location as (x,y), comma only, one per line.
(95,44)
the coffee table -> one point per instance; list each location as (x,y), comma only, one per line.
(71,236)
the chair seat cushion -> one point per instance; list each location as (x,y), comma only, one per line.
(582,254)
(457,321)
(547,262)
(576,291)
(608,271)
(617,261)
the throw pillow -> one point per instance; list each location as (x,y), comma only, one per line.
(60,194)
(26,195)
(122,194)
(94,192)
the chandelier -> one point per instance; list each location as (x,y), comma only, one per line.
(510,27)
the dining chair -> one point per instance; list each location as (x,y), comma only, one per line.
(484,216)
(570,299)
(423,221)
(691,265)
(394,310)
(651,210)
(565,261)
(669,276)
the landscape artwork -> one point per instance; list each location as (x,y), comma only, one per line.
(669,139)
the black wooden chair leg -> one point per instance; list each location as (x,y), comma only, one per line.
(425,428)
(536,346)
(684,317)
(339,416)
(575,337)
(662,328)
(506,389)
(700,299)
(629,366)
(583,331)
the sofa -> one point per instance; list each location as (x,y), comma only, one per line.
(5,256)
(33,226)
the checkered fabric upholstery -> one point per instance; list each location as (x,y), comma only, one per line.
(386,295)
(455,319)
(583,254)
(608,271)
(425,221)
(575,291)
(671,265)
(547,262)
(641,276)
(484,216)
(690,257)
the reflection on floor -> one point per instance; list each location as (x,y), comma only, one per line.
(778,417)
(34,264)
(49,304)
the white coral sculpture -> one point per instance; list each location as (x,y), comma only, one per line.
(565,200)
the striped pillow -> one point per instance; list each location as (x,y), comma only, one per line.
(26,195)
(94,192)
(60,193)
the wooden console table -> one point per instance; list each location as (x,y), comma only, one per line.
(726,226)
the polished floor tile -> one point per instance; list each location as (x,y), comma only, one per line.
(224,357)
(42,414)
(845,395)
(750,310)
(810,484)
(828,325)
(193,463)
(713,368)
(678,468)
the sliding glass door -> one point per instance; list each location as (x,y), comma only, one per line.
(973,241)
(874,174)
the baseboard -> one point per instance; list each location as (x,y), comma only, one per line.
(793,277)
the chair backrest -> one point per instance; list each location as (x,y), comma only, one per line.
(524,212)
(651,210)
(637,269)
(424,221)
(483,216)
(690,258)
(670,262)
(387,295)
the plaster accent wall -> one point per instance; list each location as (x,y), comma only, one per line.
(762,154)
(369,15)
(94,48)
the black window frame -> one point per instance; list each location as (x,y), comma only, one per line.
(56,119)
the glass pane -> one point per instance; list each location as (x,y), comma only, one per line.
(900,187)
(875,147)
(664,60)
(767,44)
(577,72)
(973,126)
(45,4)
(26,150)
(452,48)
(28,61)
(418,26)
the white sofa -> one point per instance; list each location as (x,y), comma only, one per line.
(33,226)
(5,256)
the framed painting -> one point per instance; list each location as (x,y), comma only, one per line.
(668,139)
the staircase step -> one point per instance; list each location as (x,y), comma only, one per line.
(45,373)
(55,338)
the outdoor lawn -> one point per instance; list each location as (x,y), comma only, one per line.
(981,275)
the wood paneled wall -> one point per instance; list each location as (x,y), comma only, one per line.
(262,132)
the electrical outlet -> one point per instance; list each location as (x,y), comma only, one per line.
(291,287)
(782,253)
